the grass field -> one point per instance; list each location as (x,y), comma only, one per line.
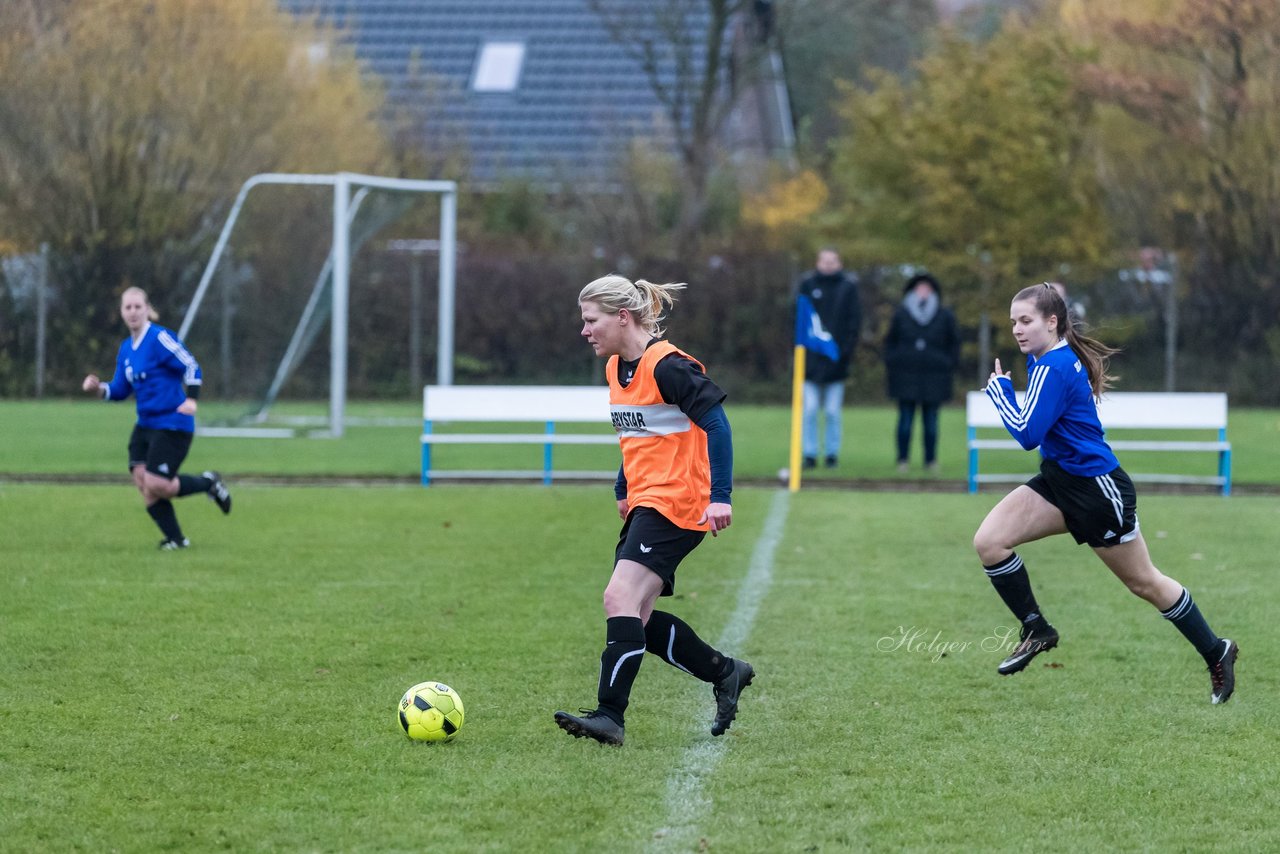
(88,437)
(241,695)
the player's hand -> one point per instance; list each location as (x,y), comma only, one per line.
(91,383)
(622,508)
(718,516)
(187,407)
(997,373)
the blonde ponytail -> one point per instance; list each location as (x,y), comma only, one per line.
(645,301)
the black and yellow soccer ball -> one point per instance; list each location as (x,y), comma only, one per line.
(431,711)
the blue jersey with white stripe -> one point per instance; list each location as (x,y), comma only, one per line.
(1059,414)
(158,370)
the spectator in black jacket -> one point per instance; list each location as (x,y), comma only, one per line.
(921,352)
(834,295)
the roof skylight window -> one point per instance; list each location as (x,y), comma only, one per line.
(498,67)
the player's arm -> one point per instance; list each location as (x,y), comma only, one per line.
(719,513)
(117,389)
(188,405)
(682,383)
(620,492)
(181,358)
(1040,410)
(715,423)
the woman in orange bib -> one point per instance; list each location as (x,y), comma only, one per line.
(673,487)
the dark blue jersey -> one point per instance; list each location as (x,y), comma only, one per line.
(1059,414)
(157,370)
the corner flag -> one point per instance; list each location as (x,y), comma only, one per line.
(813,337)
(810,333)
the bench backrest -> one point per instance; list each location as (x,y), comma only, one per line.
(1126,410)
(515,403)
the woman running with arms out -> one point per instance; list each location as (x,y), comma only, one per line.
(155,367)
(1080,489)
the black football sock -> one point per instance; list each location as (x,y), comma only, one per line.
(190,484)
(671,638)
(619,664)
(1186,616)
(166,519)
(1009,578)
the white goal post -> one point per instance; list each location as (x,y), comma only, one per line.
(340,264)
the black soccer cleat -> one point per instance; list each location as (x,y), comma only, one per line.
(594,724)
(170,545)
(1033,643)
(727,691)
(1222,672)
(218,492)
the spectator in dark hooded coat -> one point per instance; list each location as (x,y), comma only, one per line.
(921,352)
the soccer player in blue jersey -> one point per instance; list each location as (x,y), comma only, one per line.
(1080,489)
(155,367)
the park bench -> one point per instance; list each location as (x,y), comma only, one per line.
(551,406)
(1123,411)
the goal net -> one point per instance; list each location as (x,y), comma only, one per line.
(368,259)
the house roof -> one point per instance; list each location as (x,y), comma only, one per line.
(579,97)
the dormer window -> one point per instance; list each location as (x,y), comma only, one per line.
(498,67)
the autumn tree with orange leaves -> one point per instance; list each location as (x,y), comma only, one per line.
(126,128)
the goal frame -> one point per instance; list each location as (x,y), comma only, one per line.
(340,261)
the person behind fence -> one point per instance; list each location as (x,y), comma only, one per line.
(828,321)
(1081,488)
(155,367)
(1074,307)
(673,487)
(921,351)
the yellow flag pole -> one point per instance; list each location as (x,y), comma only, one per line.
(797,406)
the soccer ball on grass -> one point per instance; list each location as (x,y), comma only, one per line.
(431,711)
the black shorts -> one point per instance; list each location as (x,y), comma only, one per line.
(657,543)
(161,451)
(1101,511)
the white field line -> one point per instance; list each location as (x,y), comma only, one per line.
(685,801)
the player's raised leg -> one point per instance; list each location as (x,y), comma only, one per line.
(675,642)
(1022,516)
(208,483)
(1131,563)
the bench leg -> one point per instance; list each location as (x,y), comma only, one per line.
(546,456)
(426,455)
(973,462)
